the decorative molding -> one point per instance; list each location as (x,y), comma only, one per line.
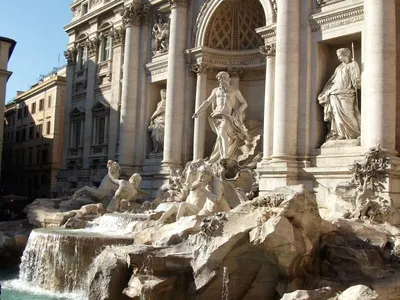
(225,59)
(175,3)
(70,55)
(268,33)
(93,46)
(321,3)
(268,50)
(134,14)
(275,8)
(117,36)
(337,19)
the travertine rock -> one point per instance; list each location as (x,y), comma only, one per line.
(358,292)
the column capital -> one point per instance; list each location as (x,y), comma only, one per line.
(200,68)
(93,46)
(176,3)
(117,36)
(133,14)
(235,72)
(70,55)
(268,50)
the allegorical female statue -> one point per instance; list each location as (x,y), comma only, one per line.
(157,124)
(339,99)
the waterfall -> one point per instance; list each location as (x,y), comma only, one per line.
(119,224)
(58,259)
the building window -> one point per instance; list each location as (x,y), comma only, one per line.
(76,134)
(30,156)
(23,156)
(23,135)
(39,130)
(100,129)
(37,156)
(41,104)
(26,111)
(105,48)
(33,108)
(82,57)
(49,101)
(19,113)
(31,132)
(48,127)
(45,154)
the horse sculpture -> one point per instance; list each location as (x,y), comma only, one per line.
(106,189)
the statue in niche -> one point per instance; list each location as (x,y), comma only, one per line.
(106,188)
(160,33)
(157,124)
(205,198)
(227,120)
(339,99)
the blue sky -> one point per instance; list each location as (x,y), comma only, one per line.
(37,27)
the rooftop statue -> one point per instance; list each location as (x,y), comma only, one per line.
(339,99)
(227,120)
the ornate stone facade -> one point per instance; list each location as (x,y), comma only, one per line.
(278,53)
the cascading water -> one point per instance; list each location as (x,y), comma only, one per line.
(58,259)
(119,224)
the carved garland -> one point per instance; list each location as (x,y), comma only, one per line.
(342,18)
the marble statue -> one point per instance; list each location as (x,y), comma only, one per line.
(106,188)
(160,33)
(227,121)
(339,99)
(127,191)
(205,197)
(157,124)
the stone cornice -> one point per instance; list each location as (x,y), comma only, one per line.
(268,33)
(336,18)
(176,3)
(92,14)
(225,59)
(5,73)
(321,3)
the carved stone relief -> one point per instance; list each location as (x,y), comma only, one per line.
(70,55)
(160,34)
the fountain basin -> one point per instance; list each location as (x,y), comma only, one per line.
(58,259)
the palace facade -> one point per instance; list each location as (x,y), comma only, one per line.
(279,54)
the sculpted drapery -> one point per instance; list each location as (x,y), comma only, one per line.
(338,98)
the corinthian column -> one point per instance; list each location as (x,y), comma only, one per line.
(379,79)
(200,121)
(269,52)
(174,114)
(131,17)
(287,81)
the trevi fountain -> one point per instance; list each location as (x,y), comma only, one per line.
(290,190)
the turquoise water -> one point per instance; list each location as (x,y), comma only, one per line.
(14,289)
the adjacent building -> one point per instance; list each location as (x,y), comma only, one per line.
(32,139)
(279,54)
(6,49)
